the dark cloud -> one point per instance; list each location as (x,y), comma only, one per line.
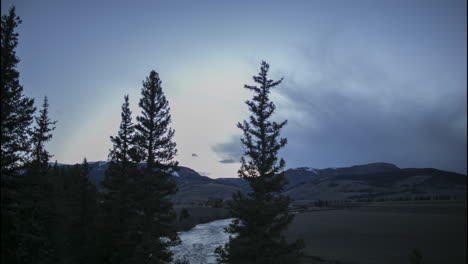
(194,155)
(230,151)
(374,92)
(351,110)
(228,161)
(357,112)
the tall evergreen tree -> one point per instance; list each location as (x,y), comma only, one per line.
(261,215)
(118,239)
(123,150)
(154,138)
(37,216)
(42,133)
(16,117)
(16,109)
(153,131)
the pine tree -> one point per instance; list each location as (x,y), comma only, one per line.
(153,131)
(117,235)
(16,109)
(123,151)
(261,215)
(35,205)
(154,139)
(41,134)
(16,117)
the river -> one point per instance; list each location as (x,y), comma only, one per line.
(199,243)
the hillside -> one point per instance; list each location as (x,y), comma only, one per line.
(377,180)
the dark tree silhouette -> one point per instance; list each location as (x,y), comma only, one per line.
(123,150)
(117,231)
(154,139)
(16,109)
(16,117)
(42,133)
(262,214)
(35,207)
(154,133)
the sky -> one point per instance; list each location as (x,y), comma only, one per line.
(364,81)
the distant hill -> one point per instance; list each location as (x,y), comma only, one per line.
(192,186)
(392,183)
(302,175)
(375,179)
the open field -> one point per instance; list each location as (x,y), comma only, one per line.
(385,232)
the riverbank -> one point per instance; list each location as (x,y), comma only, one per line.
(190,216)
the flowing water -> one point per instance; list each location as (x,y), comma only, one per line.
(199,243)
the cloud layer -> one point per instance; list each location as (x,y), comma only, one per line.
(367,107)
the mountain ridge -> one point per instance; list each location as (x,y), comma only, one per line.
(305,183)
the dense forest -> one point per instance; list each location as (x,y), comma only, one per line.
(54,214)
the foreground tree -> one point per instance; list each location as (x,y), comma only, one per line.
(261,215)
(16,117)
(154,185)
(16,109)
(123,151)
(118,236)
(41,134)
(35,205)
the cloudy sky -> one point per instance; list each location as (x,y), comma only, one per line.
(364,81)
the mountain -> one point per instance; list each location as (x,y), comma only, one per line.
(378,180)
(359,182)
(185,176)
(237,182)
(195,188)
(302,175)
(192,186)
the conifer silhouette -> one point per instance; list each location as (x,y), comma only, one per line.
(157,150)
(118,234)
(16,117)
(262,214)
